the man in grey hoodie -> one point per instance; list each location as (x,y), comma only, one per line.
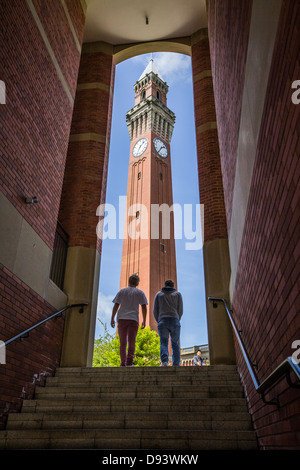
(167,311)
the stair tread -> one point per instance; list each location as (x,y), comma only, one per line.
(174,415)
(147,370)
(146,404)
(129,439)
(142,378)
(127,419)
(161,387)
(155,433)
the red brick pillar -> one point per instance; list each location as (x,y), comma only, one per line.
(215,249)
(84,189)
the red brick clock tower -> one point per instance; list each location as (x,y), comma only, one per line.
(149,245)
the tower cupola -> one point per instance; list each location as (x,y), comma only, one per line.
(150,111)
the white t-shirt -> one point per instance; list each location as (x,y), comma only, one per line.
(129,298)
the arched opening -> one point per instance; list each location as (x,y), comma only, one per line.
(89,140)
(128,51)
(177,71)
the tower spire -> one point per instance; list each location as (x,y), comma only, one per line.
(151,67)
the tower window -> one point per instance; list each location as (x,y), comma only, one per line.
(158,95)
(139,175)
(161,176)
(143,94)
(137,214)
(162,247)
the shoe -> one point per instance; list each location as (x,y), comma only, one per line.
(164,364)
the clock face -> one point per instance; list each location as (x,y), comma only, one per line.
(160,147)
(140,147)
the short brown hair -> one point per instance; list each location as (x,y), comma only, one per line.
(169,283)
(134,280)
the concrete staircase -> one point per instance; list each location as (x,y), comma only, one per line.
(179,408)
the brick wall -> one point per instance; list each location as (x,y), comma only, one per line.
(209,165)
(39,60)
(267,283)
(228,47)
(87,162)
(35,122)
(267,292)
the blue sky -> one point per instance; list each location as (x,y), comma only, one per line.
(176,71)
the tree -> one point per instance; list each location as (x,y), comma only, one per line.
(147,349)
(101,346)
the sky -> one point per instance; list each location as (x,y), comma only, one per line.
(175,69)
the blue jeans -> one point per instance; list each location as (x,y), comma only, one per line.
(169,326)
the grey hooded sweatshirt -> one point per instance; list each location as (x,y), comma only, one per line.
(168,303)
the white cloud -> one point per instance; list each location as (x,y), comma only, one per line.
(104,307)
(172,66)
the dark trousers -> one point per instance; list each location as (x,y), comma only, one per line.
(127,330)
(169,326)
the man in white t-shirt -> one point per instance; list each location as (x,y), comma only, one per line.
(127,303)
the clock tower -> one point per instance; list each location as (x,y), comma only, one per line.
(149,245)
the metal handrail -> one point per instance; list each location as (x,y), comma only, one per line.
(284,368)
(24,334)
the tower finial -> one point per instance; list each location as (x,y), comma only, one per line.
(150,68)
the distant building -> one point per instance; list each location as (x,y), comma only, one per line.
(187,354)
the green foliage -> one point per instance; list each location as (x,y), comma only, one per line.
(147,349)
(100,348)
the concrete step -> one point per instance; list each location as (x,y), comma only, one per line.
(137,380)
(148,370)
(128,439)
(127,372)
(131,420)
(138,404)
(141,391)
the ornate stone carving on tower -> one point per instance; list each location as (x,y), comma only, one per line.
(149,245)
